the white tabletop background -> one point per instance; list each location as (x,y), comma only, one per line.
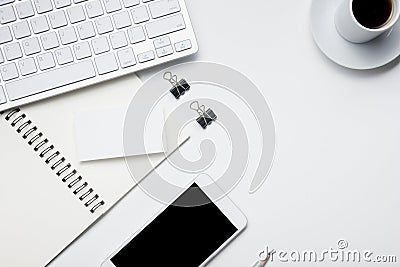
(337,168)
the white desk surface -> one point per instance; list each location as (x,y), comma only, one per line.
(336,173)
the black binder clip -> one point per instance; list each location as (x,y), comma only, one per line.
(206,117)
(178,88)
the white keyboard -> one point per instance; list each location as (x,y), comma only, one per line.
(49,47)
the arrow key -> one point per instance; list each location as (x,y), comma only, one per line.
(164,51)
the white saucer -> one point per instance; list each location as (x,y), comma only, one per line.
(373,54)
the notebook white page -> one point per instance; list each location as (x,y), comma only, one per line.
(40,215)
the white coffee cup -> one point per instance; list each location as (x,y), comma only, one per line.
(352,30)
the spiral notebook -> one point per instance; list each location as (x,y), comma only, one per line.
(47,197)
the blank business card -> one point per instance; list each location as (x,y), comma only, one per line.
(99,135)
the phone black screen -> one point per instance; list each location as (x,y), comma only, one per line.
(179,236)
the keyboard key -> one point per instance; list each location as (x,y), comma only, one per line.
(122,20)
(24,9)
(39,24)
(140,14)
(86,30)
(164,7)
(184,45)
(67,35)
(49,40)
(12,51)
(7,14)
(43,6)
(4,2)
(82,50)
(1,57)
(9,71)
(21,29)
(46,61)
(146,56)
(100,45)
(2,95)
(58,19)
(5,35)
(76,14)
(94,9)
(126,57)
(136,34)
(129,3)
(27,66)
(62,3)
(118,40)
(164,51)
(64,55)
(104,25)
(31,46)
(161,42)
(50,80)
(165,26)
(112,5)
(106,63)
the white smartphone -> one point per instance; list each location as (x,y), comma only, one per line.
(183,236)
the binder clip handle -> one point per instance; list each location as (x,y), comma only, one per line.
(173,79)
(200,109)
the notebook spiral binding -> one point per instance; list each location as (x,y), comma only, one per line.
(53,158)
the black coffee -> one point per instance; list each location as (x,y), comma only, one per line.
(373,14)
